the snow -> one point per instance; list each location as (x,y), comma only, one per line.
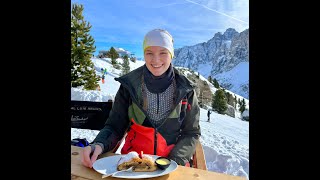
(110,86)
(237,76)
(225,139)
(187,72)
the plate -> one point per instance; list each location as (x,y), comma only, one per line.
(108,165)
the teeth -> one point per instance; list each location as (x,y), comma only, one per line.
(156,66)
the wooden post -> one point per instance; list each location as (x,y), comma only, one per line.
(199,160)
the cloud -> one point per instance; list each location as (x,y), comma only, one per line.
(218,12)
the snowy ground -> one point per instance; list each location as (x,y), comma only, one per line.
(225,139)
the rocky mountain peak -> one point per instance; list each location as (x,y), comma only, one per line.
(219,55)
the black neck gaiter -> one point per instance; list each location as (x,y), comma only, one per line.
(158,84)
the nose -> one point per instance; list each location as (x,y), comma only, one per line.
(156,57)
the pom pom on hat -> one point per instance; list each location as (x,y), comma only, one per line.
(159,37)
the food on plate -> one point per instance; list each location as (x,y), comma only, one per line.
(140,162)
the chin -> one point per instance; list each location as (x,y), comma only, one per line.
(156,74)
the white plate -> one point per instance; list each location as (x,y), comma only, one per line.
(108,165)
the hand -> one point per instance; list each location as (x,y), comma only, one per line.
(85,155)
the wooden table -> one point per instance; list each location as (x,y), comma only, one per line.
(80,172)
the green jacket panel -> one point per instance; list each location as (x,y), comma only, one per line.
(135,113)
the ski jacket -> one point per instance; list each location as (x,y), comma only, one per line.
(180,129)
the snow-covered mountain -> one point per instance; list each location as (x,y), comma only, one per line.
(224,57)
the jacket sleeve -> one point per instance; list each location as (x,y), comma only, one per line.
(190,133)
(117,122)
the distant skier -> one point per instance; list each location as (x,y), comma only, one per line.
(105,71)
(102,79)
(209,112)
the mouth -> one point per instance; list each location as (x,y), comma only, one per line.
(156,66)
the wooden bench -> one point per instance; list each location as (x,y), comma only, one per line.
(92,115)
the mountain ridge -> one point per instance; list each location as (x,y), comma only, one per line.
(218,56)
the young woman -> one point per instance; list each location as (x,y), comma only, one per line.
(155,105)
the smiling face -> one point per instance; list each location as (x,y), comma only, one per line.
(157,59)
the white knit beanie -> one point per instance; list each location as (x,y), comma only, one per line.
(159,37)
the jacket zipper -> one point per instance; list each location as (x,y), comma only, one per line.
(155,141)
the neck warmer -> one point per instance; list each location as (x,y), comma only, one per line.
(158,84)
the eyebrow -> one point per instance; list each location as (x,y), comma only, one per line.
(164,49)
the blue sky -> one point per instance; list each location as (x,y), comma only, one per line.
(123,23)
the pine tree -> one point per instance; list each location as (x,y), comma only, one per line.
(125,65)
(235,101)
(242,106)
(220,101)
(215,83)
(210,79)
(113,54)
(82,48)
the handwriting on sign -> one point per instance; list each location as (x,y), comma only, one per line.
(77,118)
